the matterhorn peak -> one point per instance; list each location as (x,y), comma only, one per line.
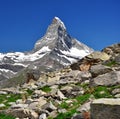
(56,37)
(55,34)
(59,22)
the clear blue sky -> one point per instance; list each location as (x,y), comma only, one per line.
(93,22)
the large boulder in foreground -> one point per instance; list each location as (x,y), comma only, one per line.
(108,79)
(105,109)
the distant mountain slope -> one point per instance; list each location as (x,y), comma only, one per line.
(54,50)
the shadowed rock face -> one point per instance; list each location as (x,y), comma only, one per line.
(105,109)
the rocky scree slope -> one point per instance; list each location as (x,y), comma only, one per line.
(69,92)
(53,51)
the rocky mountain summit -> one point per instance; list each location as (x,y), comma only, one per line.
(53,51)
(88,89)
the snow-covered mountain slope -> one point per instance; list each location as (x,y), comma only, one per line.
(62,43)
(53,51)
(22,57)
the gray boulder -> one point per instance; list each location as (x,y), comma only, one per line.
(17,106)
(2,105)
(99,70)
(84,107)
(117,96)
(43,116)
(78,116)
(108,79)
(74,76)
(23,113)
(3,92)
(116,91)
(105,109)
(112,50)
(49,106)
(117,59)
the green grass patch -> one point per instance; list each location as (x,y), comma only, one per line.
(64,105)
(50,117)
(111,63)
(114,87)
(4,116)
(66,115)
(29,92)
(83,98)
(85,85)
(5,99)
(46,89)
(102,92)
